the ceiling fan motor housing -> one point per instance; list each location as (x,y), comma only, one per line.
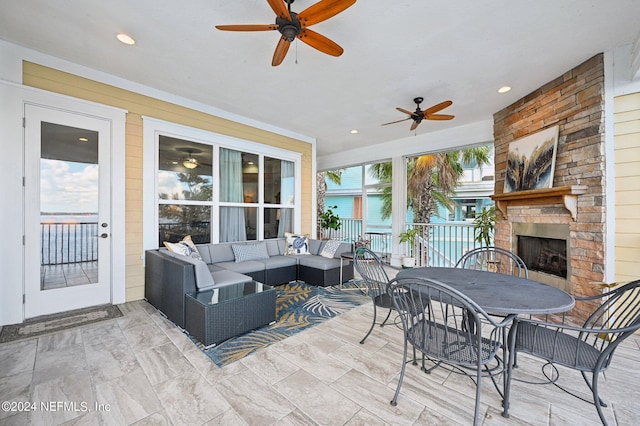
(289,29)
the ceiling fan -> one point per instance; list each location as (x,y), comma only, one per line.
(291,25)
(428,114)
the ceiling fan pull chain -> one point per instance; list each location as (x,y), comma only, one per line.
(296,46)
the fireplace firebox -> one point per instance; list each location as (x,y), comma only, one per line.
(546,250)
(548,255)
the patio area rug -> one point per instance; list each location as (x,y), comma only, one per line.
(57,322)
(299,306)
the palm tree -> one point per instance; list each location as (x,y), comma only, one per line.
(334,176)
(432,180)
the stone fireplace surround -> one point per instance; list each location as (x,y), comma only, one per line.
(575,103)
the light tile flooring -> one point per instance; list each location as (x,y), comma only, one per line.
(67,275)
(141,369)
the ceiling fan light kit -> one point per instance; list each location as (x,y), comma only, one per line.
(292,25)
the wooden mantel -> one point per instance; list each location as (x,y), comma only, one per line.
(566,195)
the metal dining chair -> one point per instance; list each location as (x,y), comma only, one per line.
(426,308)
(375,279)
(493,259)
(588,348)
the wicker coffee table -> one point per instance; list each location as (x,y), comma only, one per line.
(214,316)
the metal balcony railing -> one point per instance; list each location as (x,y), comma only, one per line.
(438,244)
(63,243)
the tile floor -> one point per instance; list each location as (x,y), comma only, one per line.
(140,369)
(67,275)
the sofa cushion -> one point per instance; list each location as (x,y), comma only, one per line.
(246,252)
(319,262)
(297,244)
(221,253)
(205,252)
(242,267)
(273,248)
(204,279)
(225,277)
(184,248)
(330,248)
(280,261)
(314,246)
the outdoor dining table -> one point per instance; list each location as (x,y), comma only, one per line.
(499,293)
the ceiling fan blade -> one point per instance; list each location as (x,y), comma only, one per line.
(394,122)
(414,125)
(281,51)
(320,42)
(405,111)
(439,117)
(322,11)
(280,8)
(248,27)
(437,107)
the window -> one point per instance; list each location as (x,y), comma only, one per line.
(279,190)
(185,190)
(216,188)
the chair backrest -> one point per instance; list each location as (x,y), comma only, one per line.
(371,269)
(494,259)
(618,315)
(431,319)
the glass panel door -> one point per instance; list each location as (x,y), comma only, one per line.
(67,229)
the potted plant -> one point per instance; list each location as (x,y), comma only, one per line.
(361,242)
(408,237)
(485,225)
(329,220)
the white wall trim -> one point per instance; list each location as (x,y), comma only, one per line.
(609,171)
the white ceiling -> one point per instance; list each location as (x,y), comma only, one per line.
(393,51)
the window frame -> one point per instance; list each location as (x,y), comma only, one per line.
(154,128)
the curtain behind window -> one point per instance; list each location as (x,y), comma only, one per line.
(287,197)
(232,223)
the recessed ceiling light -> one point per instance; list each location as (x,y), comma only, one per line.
(354,131)
(126,39)
(83,139)
(504,89)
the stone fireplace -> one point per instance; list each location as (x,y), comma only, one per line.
(563,226)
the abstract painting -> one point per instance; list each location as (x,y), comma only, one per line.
(531,161)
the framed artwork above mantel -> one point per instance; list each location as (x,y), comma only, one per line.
(531,161)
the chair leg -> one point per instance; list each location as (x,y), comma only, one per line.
(478,393)
(372,324)
(596,398)
(591,386)
(385,320)
(394,401)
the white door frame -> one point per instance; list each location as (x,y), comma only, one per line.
(15,96)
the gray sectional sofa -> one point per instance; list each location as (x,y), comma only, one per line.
(169,276)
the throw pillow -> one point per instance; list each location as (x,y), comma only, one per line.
(330,248)
(296,244)
(186,247)
(245,252)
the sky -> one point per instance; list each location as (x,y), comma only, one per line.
(68,187)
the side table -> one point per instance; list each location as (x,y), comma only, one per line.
(213,316)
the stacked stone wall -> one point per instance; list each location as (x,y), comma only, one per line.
(575,103)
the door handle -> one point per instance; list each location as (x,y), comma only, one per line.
(103,235)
